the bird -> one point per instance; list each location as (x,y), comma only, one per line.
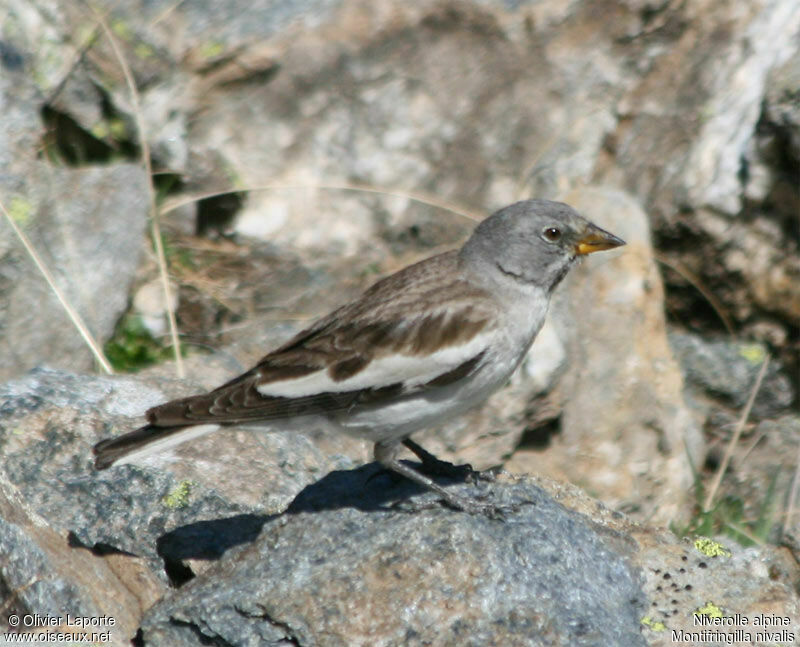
(419,347)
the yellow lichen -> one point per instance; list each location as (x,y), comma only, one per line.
(122,29)
(710,609)
(212,49)
(753,353)
(711,548)
(20,210)
(654,625)
(144,51)
(100,130)
(118,129)
(179,497)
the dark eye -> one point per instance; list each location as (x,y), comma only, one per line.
(551,234)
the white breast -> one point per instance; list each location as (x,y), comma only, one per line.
(504,349)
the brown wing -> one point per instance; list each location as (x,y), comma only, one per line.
(412,313)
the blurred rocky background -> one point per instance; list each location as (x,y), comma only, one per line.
(296,152)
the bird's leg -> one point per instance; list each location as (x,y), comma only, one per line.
(437,467)
(385,454)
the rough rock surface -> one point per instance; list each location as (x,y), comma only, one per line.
(341,568)
(66,215)
(226,485)
(345,570)
(727,371)
(687,106)
(87,224)
(44,573)
(318,563)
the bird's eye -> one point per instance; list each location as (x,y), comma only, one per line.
(551,234)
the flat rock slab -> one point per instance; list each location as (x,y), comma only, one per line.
(389,566)
(347,569)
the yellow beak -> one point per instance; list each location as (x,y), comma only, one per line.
(595,239)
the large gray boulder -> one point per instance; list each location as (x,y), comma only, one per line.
(346,567)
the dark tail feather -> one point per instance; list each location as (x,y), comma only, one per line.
(111,450)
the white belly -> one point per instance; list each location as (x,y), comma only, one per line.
(401,418)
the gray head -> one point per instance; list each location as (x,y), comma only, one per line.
(533,242)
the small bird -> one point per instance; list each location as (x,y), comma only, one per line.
(417,348)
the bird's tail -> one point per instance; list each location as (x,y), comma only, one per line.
(144,441)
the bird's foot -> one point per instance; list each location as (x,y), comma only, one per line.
(433,466)
(471,505)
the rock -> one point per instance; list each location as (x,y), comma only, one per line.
(772,276)
(87,225)
(782,104)
(344,569)
(225,484)
(341,568)
(92,256)
(734,106)
(389,120)
(149,302)
(773,158)
(351,547)
(687,582)
(726,370)
(343,116)
(624,430)
(763,250)
(20,128)
(717,106)
(684,576)
(44,573)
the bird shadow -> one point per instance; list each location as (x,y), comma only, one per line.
(210,539)
(368,488)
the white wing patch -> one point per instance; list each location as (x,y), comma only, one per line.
(411,370)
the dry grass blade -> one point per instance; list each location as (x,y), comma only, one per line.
(166,12)
(787,521)
(422,198)
(698,285)
(753,445)
(154,215)
(73,315)
(745,533)
(726,459)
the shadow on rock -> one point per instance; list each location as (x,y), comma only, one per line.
(367,488)
(210,539)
